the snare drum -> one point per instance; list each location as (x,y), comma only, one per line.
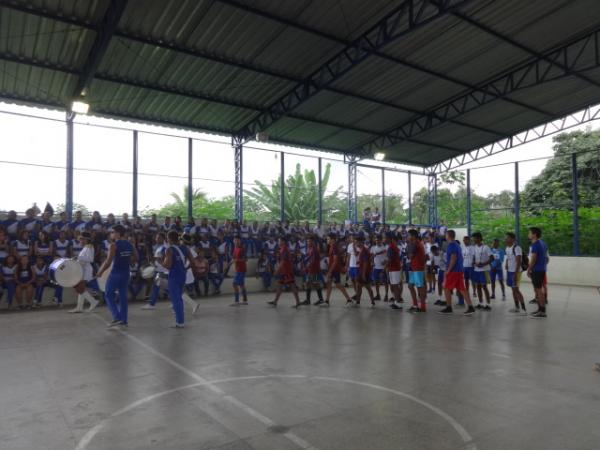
(65,272)
(148,271)
(103,279)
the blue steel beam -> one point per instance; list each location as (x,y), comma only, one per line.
(410,15)
(578,56)
(238,150)
(103,36)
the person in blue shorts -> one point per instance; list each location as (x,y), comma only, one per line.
(496,270)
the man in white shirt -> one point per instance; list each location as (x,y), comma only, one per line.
(481,271)
(513,260)
(352,262)
(468,255)
(379,255)
(160,279)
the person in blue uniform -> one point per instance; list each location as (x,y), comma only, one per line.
(120,255)
(175,262)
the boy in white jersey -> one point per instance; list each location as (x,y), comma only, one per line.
(379,276)
(513,264)
(481,271)
(468,255)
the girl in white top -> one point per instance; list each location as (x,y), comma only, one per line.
(85,258)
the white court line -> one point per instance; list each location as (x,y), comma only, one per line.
(234,401)
(89,436)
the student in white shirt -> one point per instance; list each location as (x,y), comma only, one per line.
(513,262)
(379,276)
(481,271)
(85,258)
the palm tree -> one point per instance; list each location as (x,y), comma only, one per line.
(301,191)
(182,202)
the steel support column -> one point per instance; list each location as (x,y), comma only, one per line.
(409,197)
(432,199)
(134,207)
(575,193)
(320,200)
(469,202)
(517,204)
(190,186)
(69,174)
(239,181)
(282,188)
(352,196)
(383,210)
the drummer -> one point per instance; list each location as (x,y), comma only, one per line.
(121,254)
(162,274)
(85,258)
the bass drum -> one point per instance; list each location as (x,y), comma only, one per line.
(148,271)
(65,272)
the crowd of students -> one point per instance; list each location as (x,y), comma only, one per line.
(369,258)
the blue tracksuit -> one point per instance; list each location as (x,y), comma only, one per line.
(118,280)
(177,280)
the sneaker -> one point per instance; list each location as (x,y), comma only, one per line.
(395,306)
(533,301)
(372,303)
(538,315)
(446,311)
(439,302)
(304,303)
(414,309)
(349,304)
(479,306)
(493,296)
(377,298)
(273,303)
(319,302)
(148,307)
(234,304)
(72,311)
(324,305)
(503,297)
(487,308)
(469,312)
(177,326)
(195,308)
(93,306)
(114,323)
(244,303)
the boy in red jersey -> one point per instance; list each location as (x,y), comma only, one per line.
(285,273)
(394,269)
(336,265)
(364,271)
(416,277)
(239,261)
(313,270)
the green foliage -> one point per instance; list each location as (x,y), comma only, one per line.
(76,207)
(301,191)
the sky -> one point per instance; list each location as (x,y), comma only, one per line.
(33,157)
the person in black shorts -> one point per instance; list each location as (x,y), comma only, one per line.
(537,270)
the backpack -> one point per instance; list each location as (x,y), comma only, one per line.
(524,258)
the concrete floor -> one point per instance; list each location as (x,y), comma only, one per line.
(258,378)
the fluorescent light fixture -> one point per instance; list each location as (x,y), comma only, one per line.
(379,156)
(80,107)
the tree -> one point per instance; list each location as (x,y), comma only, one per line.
(300,196)
(76,207)
(552,188)
(183,201)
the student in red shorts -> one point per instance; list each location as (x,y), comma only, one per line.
(454,277)
(416,276)
(285,273)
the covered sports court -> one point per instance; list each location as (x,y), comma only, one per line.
(433,85)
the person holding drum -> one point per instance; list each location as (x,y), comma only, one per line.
(120,255)
(161,274)
(176,257)
(85,259)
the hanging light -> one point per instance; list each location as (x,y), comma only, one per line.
(379,156)
(80,107)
